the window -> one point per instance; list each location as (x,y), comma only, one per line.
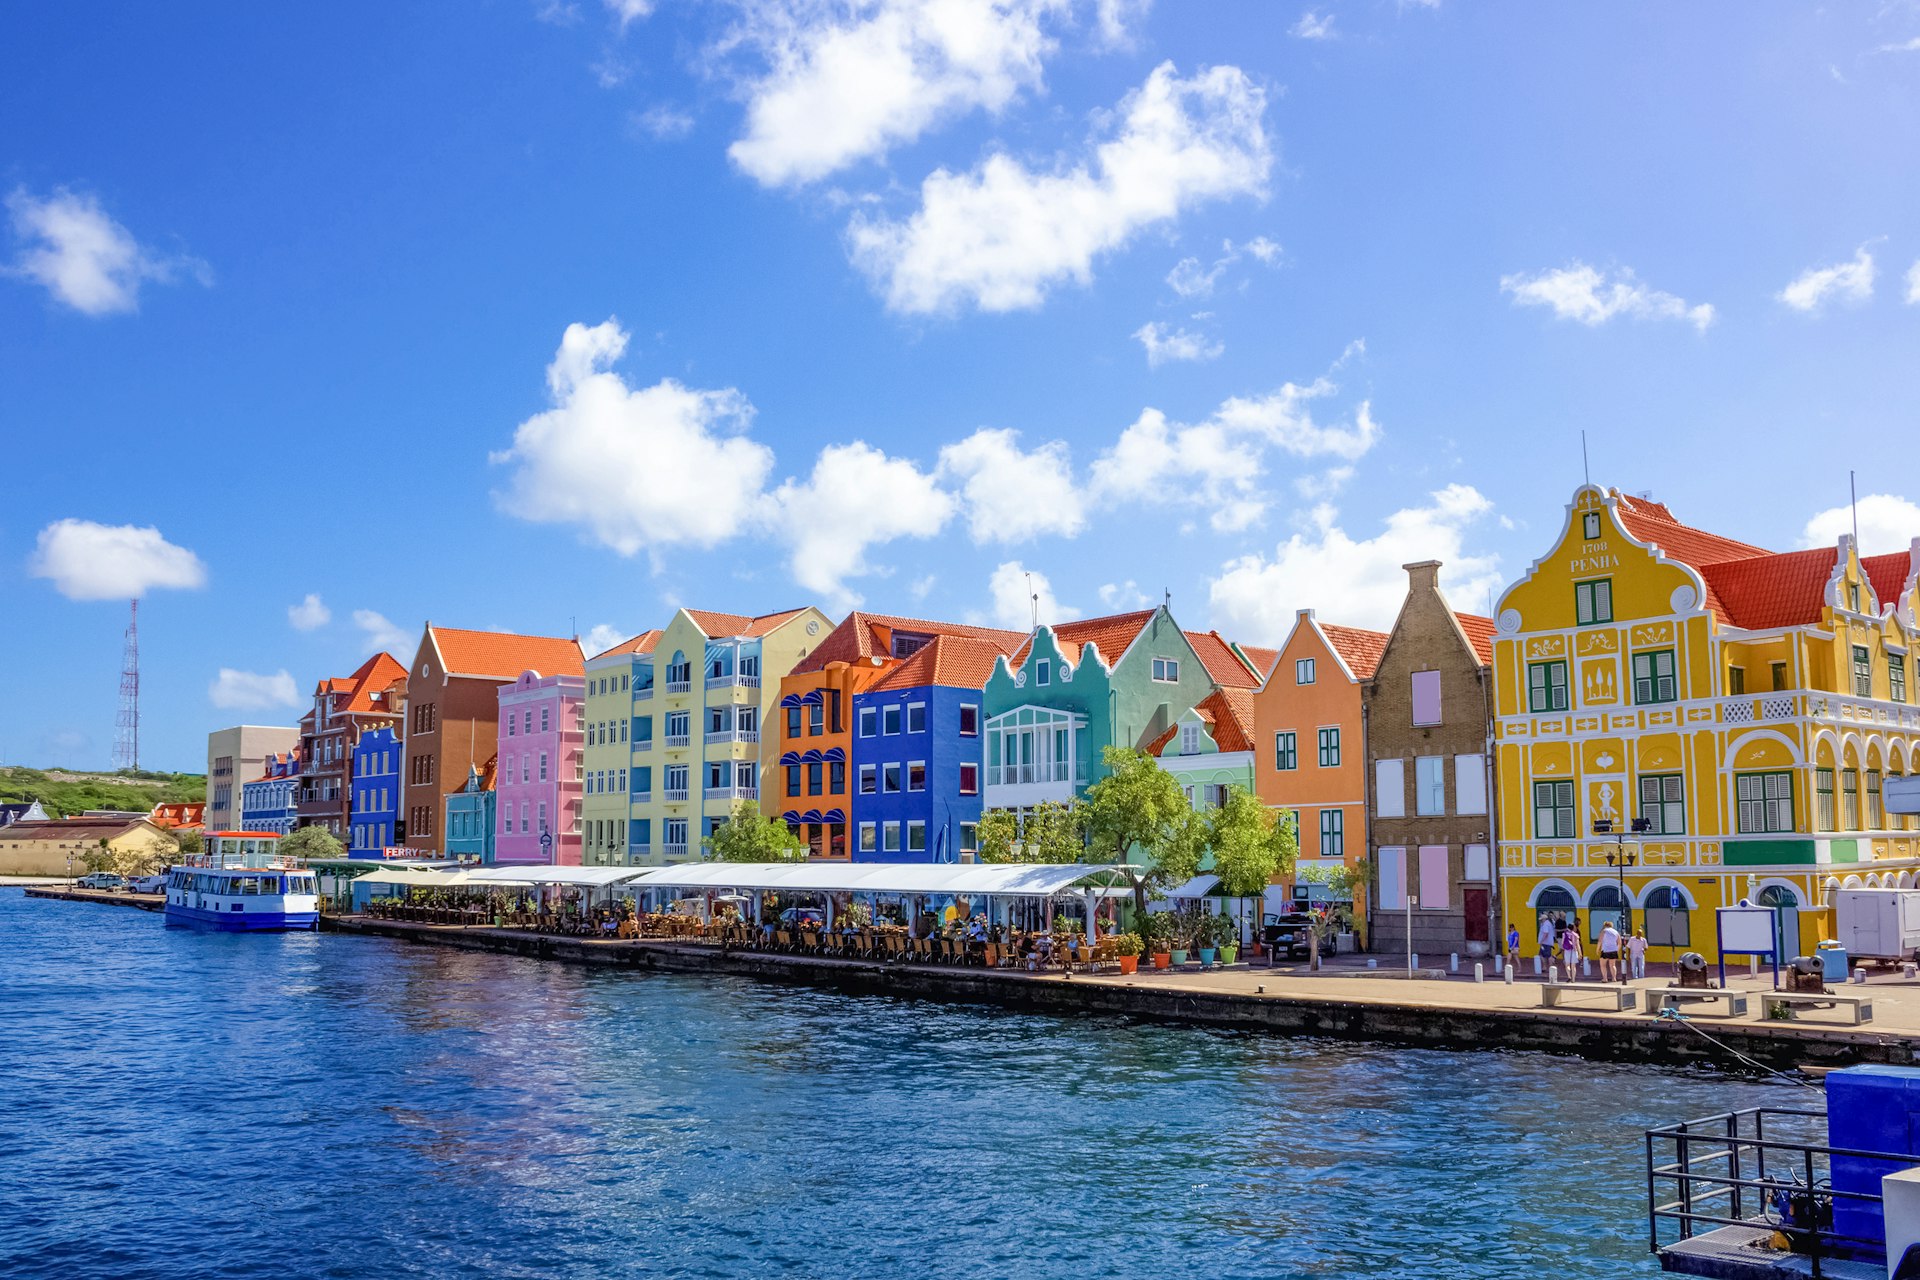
(816,718)
(1850,799)
(1426,697)
(1736,681)
(1653,677)
(1862,672)
(1189,739)
(969,720)
(916,837)
(1897,677)
(1666,917)
(546,719)
(541,817)
(1553,811)
(1470,784)
(869,833)
(1873,800)
(916,775)
(527,717)
(969,779)
(679,724)
(512,727)
(1663,803)
(1329,748)
(543,766)
(1166,670)
(1853,596)
(890,720)
(1390,788)
(891,831)
(1766,801)
(1333,833)
(869,779)
(1393,878)
(1590,525)
(1284,755)
(1435,892)
(1042,671)
(867,722)
(916,717)
(890,779)
(816,784)
(836,778)
(1823,810)
(1303,671)
(1547,686)
(793,779)
(1430,786)
(969,837)
(793,722)
(1593,601)
(1779,670)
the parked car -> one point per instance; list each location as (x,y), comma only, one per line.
(1290,933)
(102,880)
(149,884)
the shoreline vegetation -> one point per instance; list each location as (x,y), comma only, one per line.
(72,791)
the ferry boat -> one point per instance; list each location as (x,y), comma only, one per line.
(242,884)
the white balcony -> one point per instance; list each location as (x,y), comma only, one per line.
(678,740)
(643,744)
(642,797)
(643,695)
(679,686)
(717,737)
(735,681)
(749,792)
(673,851)
(674,795)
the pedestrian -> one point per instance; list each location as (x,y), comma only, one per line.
(1549,942)
(1570,952)
(1513,946)
(1609,953)
(1637,954)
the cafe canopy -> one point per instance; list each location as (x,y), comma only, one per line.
(963,880)
(583,877)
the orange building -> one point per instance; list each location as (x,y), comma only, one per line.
(1310,754)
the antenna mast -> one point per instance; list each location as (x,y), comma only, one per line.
(126,738)
(1033,599)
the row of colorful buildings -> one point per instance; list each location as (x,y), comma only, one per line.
(1656,719)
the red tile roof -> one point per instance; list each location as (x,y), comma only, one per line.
(502,655)
(179,815)
(642,643)
(1358,648)
(1221,662)
(1479,634)
(371,677)
(1889,575)
(870,635)
(1110,635)
(1228,715)
(739,624)
(1650,521)
(1262,658)
(1785,590)
(955,662)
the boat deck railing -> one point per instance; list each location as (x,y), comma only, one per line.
(1760,1167)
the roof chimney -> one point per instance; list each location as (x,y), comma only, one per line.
(1423,575)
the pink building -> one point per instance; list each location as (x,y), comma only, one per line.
(537,787)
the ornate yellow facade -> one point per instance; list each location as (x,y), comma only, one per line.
(1748,706)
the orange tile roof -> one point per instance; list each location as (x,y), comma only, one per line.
(870,635)
(1889,575)
(1262,658)
(373,676)
(955,662)
(1221,662)
(642,643)
(1110,635)
(1228,715)
(502,655)
(1479,634)
(179,815)
(739,624)
(1761,592)
(1360,649)
(1650,521)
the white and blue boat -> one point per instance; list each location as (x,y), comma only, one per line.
(242,884)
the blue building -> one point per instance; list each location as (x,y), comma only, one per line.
(375,793)
(470,824)
(267,803)
(916,755)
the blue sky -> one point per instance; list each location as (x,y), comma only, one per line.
(536,316)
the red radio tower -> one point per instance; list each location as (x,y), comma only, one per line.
(126,740)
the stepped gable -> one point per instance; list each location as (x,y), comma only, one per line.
(502,655)
(1359,648)
(862,636)
(956,662)
(1110,635)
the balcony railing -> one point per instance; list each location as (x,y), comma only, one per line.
(678,739)
(750,791)
(639,849)
(673,850)
(642,797)
(734,681)
(679,686)
(1010,775)
(674,795)
(715,736)
(643,744)
(644,694)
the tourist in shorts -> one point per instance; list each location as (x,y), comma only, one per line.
(1609,953)
(1637,954)
(1549,943)
(1513,946)
(1570,953)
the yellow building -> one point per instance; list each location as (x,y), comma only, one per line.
(1746,705)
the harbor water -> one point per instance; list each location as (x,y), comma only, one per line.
(184,1104)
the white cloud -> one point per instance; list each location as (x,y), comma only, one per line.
(1356,582)
(1850,282)
(637,469)
(1015,597)
(251,691)
(1115,19)
(920,587)
(1906,46)
(1190,280)
(1583,293)
(310,614)
(851,84)
(1013,494)
(88,561)
(856,498)
(1164,344)
(1001,235)
(602,638)
(1122,597)
(382,634)
(1887,523)
(1267,251)
(662,122)
(1219,463)
(626,11)
(83,257)
(1314,26)
(1913,283)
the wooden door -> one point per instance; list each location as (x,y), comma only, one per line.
(1474,901)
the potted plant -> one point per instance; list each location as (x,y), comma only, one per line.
(1156,929)
(1188,920)
(1205,939)
(1127,948)
(1227,939)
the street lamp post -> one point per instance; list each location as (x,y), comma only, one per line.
(1410,935)
(1620,859)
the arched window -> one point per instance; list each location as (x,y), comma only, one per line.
(1603,905)
(1552,900)
(1667,921)
(1786,918)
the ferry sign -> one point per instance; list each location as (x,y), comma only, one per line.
(396,851)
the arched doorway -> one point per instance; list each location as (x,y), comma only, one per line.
(1552,900)
(1668,924)
(1605,905)
(1786,918)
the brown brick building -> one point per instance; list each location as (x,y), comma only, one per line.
(1430,793)
(453,711)
(344,707)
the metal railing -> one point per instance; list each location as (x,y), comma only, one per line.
(1725,1171)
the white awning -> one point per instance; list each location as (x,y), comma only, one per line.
(590,877)
(415,878)
(1016,879)
(1198,887)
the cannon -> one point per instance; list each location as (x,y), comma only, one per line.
(1691,971)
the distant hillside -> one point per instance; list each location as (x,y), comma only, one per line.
(63,792)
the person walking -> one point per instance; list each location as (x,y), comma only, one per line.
(1549,942)
(1513,946)
(1570,952)
(1610,954)
(1637,954)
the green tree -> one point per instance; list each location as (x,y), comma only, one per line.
(98,858)
(190,842)
(750,836)
(1139,805)
(315,844)
(1050,834)
(1251,844)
